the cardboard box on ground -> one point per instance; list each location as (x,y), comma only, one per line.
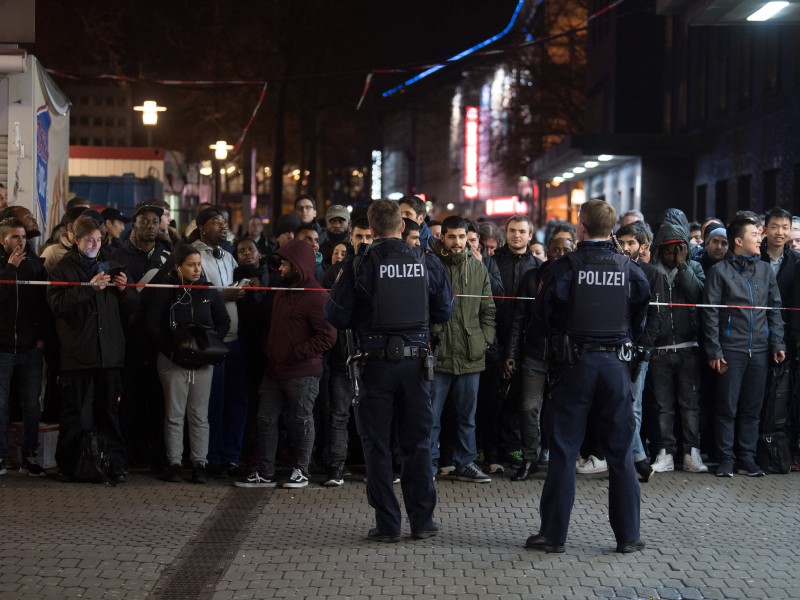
(48,438)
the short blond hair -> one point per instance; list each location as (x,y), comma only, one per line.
(598,217)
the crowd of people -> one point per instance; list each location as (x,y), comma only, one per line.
(277,403)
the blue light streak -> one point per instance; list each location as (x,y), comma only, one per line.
(458,56)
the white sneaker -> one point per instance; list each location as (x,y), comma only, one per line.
(663,462)
(495,469)
(297,480)
(445,471)
(592,464)
(693,462)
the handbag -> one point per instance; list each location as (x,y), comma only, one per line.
(196,345)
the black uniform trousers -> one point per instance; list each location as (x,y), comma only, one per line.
(396,391)
(599,383)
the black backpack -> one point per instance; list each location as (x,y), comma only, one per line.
(94,460)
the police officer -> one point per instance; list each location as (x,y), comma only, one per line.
(389,294)
(593,303)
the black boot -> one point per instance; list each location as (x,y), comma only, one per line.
(525,471)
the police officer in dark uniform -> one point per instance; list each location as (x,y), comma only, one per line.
(593,303)
(389,294)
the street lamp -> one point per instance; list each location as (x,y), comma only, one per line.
(221,149)
(149,110)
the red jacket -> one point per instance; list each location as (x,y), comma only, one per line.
(298,333)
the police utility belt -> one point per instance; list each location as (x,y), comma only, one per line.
(563,350)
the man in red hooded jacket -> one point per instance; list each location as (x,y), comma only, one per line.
(297,338)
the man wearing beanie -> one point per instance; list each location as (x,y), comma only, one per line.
(716,246)
(285,228)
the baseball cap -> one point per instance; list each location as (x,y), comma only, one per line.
(112,214)
(337,211)
(143,208)
(206,215)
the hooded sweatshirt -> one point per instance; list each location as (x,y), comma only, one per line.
(684,284)
(298,332)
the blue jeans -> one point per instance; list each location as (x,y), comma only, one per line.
(637,388)
(29,366)
(465,398)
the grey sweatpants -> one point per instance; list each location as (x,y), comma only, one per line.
(186,393)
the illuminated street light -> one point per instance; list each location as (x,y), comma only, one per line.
(579,170)
(590,164)
(150,110)
(604,157)
(221,149)
(568,175)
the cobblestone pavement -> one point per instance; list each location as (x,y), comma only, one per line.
(707,538)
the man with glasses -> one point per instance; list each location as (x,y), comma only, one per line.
(305,207)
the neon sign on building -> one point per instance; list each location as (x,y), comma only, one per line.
(471,141)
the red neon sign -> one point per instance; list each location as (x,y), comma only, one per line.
(471,139)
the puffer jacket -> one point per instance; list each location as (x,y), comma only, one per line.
(470,330)
(741,281)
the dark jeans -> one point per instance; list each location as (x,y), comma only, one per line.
(89,399)
(676,381)
(294,397)
(497,414)
(740,393)
(534,377)
(28,366)
(141,415)
(341,396)
(227,408)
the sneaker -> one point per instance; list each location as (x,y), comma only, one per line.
(335,477)
(644,469)
(298,479)
(32,467)
(3,469)
(445,471)
(256,479)
(591,465)
(172,474)
(751,470)
(495,469)
(693,462)
(725,469)
(664,462)
(471,472)
(199,474)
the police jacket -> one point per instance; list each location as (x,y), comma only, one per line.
(24,308)
(470,330)
(512,267)
(787,282)
(554,302)
(741,281)
(526,335)
(89,323)
(350,305)
(203,307)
